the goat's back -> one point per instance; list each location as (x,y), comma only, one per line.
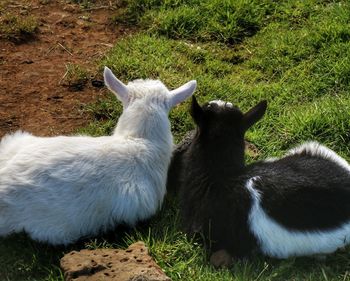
(304,191)
(62,188)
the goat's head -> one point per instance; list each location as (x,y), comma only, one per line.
(218,119)
(151,92)
(146,103)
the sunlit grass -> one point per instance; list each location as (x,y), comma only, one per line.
(295,54)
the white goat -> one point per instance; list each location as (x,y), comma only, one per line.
(60,189)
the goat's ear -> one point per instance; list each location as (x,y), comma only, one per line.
(254,114)
(115,85)
(196,111)
(180,94)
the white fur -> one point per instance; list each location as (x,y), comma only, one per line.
(60,189)
(317,149)
(221,103)
(182,92)
(270,159)
(279,242)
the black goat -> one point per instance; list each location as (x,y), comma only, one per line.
(293,206)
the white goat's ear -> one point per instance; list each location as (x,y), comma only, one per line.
(180,94)
(115,85)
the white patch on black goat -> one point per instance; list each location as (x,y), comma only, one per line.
(221,103)
(271,159)
(277,241)
(314,148)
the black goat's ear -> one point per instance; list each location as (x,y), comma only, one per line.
(196,111)
(254,114)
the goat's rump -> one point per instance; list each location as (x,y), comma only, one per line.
(303,192)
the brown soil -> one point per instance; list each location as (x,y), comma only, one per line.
(34,95)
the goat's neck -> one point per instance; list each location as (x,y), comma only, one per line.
(226,158)
(153,127)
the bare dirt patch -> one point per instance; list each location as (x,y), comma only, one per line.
(35,95)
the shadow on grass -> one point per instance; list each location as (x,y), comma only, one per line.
(182,258)
(21,258)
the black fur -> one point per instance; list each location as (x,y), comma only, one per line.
(175,167)
(300,191)
(304,192)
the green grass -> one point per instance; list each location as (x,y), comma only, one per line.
(75,77)
(17,28)
(208,20)
(295,54)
